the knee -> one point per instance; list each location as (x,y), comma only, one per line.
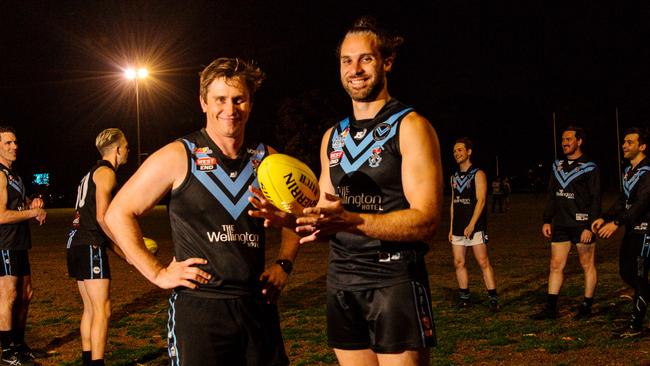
(484,263)
(557,265)
(459,263)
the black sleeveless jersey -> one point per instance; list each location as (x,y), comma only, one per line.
(464,186)
(209,219)
(15,236)
(365,169)
(85,229)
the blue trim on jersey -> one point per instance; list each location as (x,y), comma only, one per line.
(237,187)
(6,261)
(462,183)
(68,245)
(101,262)
(171,332)
(565,178)
(628,184)
(645,248)
(356,155)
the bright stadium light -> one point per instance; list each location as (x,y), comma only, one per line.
(132,74)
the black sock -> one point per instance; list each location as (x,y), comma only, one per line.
(493,294)
(463,293)
(18,336)
(85,358)
(5,339)
(587,302)
(99,362)
(551,301)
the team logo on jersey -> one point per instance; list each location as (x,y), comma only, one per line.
(202,150)
(360,134)
(254,151)
(335,157)
(375,158)
(339,140)
(207,163)
(566,177)
(381,131)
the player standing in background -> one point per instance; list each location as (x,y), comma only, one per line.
(469,223)
(15,242)
(89,240)
(573,204)
(632,209)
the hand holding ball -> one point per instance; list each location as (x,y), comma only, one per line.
(288,183)
(151,245)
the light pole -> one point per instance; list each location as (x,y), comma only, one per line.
(134,75)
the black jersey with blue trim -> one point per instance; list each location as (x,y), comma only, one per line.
(85,229)
(15,236)
(365,165)
(209,218)
(633,206)
(573,193)
(464,186)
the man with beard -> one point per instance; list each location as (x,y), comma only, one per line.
(381,191)
(632,209)
(573,204)
(468,227)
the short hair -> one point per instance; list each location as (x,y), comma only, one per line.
(7,128)
(465,141)
(387,43)
(232,68)
(642,132)
(578,131)
(107,138)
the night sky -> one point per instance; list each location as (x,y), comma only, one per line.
(493,71)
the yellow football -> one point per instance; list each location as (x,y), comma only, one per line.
(288,183)
(151,245)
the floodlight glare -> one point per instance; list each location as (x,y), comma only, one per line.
(130,74)
(143,73)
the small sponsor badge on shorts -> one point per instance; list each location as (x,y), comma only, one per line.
(96,270)
(582,216)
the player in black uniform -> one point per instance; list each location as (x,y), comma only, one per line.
(381,184)
(88,243)
(469,223)
(222,310)
(15,242)
(573,204)
(632,209)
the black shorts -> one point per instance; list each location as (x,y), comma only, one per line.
(88,262)
(242,331)
(15,263)
(387,320)
(568,233)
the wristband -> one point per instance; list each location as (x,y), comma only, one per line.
(285,264)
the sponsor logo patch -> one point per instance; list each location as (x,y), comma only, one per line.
(335,157)
(206,163)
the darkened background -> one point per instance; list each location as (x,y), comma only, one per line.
(493,71)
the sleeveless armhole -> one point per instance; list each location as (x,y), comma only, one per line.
(188,171)
(398,145)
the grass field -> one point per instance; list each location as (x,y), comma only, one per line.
(472,336)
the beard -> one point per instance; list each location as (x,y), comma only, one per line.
(367,94)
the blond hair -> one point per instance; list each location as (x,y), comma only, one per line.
(107,138)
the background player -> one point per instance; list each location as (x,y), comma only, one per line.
(632,209)
(573,204)
(469,223)
(89,238)
(15,242)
